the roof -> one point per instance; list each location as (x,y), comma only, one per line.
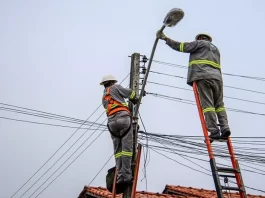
(169,192)
(202,192)
(100,192)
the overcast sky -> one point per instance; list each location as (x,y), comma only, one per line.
(54,53)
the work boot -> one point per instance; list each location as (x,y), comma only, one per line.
(213,136)
(128,181)
(124,181)
(226,133)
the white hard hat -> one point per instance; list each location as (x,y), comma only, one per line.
(108,78)
(204,34)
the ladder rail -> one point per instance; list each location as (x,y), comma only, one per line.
(136,171)
(234,161)
(235,166)
(209,147)
(203,123)
(114,184)
(241,182)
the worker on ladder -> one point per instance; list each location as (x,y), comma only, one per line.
(205,70)
(119,125)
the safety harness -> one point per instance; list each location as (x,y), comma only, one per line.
(114,107)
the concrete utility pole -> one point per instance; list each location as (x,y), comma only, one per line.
(134,85)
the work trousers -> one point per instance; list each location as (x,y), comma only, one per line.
(211,97)
(119,124)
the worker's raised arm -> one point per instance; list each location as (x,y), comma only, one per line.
(186,47)
(125,92)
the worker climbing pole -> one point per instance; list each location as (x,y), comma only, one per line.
(171,19)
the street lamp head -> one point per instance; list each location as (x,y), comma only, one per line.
(173,17)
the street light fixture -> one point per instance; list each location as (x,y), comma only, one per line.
(173,17)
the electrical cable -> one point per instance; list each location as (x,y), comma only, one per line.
(206,173)
(67,166)
(228,74)
(53,154)
(43,114)
(232,87)
(187,102)
(41,123)
(185,151)
(62,145)
(185,157)
(180,163)
(145,155)
(63,155)
(233,98)
(73,120)
(100,170)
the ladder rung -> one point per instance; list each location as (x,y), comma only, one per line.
(226,170)
(221,139)
(230,176)
(231,188)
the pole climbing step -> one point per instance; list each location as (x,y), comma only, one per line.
(233,172)
(135,174)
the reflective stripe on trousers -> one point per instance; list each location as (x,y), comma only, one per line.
(212,109)
(123,153)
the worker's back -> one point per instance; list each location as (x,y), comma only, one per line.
(204,63)
(118,93)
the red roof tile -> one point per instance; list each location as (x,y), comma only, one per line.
(104,193)
(175,192)
(203,192)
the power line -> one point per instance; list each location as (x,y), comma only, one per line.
(100,170)
(250,187)
(66,167)
(42,123)
(62,145)
(183,157)
(180,142)
(228,74)
(38,113)
(198,136)
(182,139)
(53,154)
(204,172)
(171,86)
(63,155)
(46,116)
(145,155)
(180,163)
(185,151)
(192,103)
(242,89)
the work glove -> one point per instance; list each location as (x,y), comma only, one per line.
(161,35)
(135,101)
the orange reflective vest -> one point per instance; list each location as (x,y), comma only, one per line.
(113,105)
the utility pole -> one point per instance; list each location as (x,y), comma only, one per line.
(134,85)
